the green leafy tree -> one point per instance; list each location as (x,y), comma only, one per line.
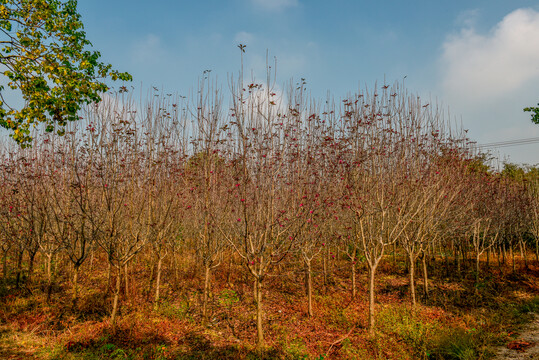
(535,113)
(44,56)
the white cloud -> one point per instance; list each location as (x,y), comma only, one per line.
(480,67)
(244,37)
(488,78)
(149,49)
(275,5)
(467,18)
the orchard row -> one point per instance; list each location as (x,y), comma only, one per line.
(265,178)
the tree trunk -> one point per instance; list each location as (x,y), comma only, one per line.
(425,277)
(158,283)
(259,313)
(412,283)
(31,263)
(126,276)
(354,287)
(395,255)
(372,271)
(92,252)
(4,266)
(109,277)
(325,269)
(447,264)
(309,288)
(477,267)
(115,301)
(19,269)
(75,294)
(207,274)
(523,253)
(464,258)
(149,287)
(229,267)
(49,276)
(48,266)
(512,253)
(457,257)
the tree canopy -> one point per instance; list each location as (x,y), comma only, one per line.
(44,56)
(535,113)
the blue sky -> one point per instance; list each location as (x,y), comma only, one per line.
(480,59)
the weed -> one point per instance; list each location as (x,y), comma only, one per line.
(457,345)
(409,327)
(339,318)
(228,298)
(170,310)
(351,351)
(295,349)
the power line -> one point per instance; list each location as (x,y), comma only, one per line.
(516,142)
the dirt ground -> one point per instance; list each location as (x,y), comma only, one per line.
(525,345)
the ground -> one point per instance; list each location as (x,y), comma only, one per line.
(461,318)
(526,345)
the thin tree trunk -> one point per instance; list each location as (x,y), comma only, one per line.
(259,312)
(48,266)
(425,277)
(395,255)
(354,286)
(464,258)
(207,274)
(4,266)
(331,266)
(150,281)
(325,269)
(19,269)
(49,276)
(412,283)
(372,271)
(477,267)
(31,263)
(457,257)
(115,301)
(309,288)
(75,294)
(523,253)
(229,267)
(512,253)
(109,277)
(158,283)
(126,276)
(448,267)
(92,252)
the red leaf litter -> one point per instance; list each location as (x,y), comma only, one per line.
(519,345)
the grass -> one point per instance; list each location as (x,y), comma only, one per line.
(460,320)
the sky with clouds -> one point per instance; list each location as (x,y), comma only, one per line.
(479,59)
